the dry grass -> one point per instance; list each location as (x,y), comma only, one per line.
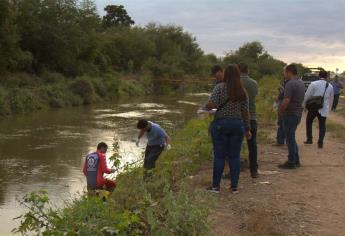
(338,130)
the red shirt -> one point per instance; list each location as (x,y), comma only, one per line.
(102,169)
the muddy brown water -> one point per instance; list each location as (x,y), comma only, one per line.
(45,150)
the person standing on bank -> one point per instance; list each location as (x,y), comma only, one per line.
(318,100)
(251,88)
(337,86)
(217,73)
(291,111)
(230,125)
(158,140)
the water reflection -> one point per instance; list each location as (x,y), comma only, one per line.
(45,150)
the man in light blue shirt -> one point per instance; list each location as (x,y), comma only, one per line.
(319,88)
(157,138)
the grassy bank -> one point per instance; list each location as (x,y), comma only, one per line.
(162,206)
(23,93)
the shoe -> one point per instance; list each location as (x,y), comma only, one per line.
(254,175)
(298,164)
(320,145)
(308,142)
(287,165)
(213,189)
(234,190)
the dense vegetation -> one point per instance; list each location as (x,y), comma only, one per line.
(57,53)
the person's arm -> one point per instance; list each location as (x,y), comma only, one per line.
(164,135)
(214,98)
(104,167)
(288,93)
(246,118)
(141,134)
(331,97)
(284,105)
(308,94)
(340,85)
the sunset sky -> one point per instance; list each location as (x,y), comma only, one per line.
(308,31)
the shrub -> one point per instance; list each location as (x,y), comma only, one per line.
(23,100)
(84,89)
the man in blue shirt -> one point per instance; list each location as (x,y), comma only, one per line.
(157,138)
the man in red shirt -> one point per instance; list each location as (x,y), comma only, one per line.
(95,165)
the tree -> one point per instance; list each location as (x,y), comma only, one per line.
(116,16)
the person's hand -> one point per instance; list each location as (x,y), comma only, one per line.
(248,135)
(137,143)
(168,147)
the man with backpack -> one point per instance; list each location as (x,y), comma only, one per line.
(318,100)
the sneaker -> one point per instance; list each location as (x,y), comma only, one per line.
(287,165)
(320,145)
(234,190)
(308,142)
(213,189)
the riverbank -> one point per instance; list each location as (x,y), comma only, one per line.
(25,93)
(165,205)
(168,205)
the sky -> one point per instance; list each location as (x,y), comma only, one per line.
(311,32)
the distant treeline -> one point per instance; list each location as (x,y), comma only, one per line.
(56,53)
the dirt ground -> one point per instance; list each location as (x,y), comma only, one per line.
(306,201)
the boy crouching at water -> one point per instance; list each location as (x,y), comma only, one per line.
(95,166)
(157,138)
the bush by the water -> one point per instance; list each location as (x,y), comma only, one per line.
(20,95)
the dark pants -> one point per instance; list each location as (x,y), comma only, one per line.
(151,155)
(290,125)
(253,148)
(227,137)
(109,185)
(280,131)
(335,101)
(322,126)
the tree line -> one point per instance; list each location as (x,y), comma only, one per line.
(57,53)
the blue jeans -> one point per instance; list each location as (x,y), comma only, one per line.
(290,126)
(280,131)
(227,137)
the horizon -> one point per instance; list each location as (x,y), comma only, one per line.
(284,34)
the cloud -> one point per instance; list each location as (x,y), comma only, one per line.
(294,30)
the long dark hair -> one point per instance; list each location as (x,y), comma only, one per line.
(235,89)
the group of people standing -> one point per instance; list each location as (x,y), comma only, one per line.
(234,97)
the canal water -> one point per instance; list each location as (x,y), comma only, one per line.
(45,150)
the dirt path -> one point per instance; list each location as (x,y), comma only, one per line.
(306,201)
